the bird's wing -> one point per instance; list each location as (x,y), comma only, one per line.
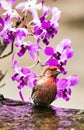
(39,85)
(35,89)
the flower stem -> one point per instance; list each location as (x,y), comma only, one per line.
(12,48)
(39,61)
(33,65)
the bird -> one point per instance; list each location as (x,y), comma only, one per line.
(45,90)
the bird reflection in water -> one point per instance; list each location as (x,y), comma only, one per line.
(45,119)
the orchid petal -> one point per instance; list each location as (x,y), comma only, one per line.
(62,83)
(21,96)
(55,15)
(74,80)
(51,62)
(5,5)
(49,50)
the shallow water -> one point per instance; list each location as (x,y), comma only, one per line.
(24,116)
(71,25)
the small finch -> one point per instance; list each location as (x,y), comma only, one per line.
(45,90)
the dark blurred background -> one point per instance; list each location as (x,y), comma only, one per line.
(72,26)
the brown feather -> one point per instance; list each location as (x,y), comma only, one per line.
(45,90)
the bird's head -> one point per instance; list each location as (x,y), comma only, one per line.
(51,71)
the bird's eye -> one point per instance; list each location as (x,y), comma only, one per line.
(52,70)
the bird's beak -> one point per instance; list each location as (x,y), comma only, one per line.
(56,73)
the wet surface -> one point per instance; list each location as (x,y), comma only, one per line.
(72,26)
(17,115)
